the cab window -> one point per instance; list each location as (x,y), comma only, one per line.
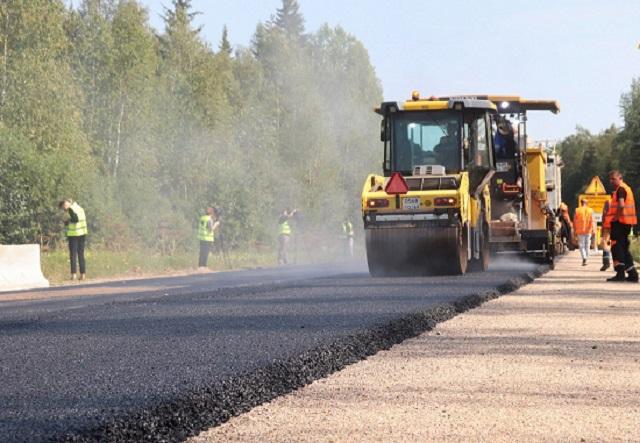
(426,138)
(476,140)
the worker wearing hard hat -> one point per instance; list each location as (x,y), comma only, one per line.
(622,212)
(583,228)
(207,224)
(76,232)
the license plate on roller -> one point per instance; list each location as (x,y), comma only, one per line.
(411,203)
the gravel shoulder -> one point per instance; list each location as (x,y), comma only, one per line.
(555,361)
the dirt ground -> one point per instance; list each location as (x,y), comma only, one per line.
(556,361)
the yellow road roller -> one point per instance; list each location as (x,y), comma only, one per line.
(429,212)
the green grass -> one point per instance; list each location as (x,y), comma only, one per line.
(105,263)
(102,263)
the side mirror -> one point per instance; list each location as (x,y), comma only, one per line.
(384,135)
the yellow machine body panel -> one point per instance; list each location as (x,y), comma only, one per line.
(512,103)
(536,173)
(426,105)
(376,200)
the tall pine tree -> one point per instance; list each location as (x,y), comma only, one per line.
(289,19)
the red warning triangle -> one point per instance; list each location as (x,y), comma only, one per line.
(396,184)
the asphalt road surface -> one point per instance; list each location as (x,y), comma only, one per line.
(77,359)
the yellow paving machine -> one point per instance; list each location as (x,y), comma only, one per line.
(526,183)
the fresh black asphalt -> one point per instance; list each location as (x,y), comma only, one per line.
(162,364)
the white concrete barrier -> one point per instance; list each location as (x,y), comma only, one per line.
(20,268)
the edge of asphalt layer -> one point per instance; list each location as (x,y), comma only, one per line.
(213,405)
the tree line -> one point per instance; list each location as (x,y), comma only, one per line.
(146,128)
(586,154)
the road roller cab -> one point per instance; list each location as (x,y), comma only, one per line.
(429,212)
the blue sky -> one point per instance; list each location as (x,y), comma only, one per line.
(583,53)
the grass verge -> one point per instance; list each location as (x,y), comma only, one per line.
(106,263)
(102,263)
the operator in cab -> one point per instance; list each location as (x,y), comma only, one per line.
(504,141)
(447,150)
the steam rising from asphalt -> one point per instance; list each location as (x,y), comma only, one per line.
(512,262)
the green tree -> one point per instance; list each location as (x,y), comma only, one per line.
(31,184)
(630,135)
(289,20)
(225,46)
(586,155)
(39,94)
(145,130)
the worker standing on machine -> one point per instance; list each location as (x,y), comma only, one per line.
(504,140)
(622,211)
(583,227)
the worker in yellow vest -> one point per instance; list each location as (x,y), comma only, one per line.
(583,228)
(622,212)
(347,232)
(284,234)
(76,232)
(207,224)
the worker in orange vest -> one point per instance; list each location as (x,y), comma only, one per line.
(605,237)
(583,228)
(622,211)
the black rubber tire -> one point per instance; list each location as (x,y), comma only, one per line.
(459,265)
(481,264)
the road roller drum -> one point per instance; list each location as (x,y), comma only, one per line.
(416,251)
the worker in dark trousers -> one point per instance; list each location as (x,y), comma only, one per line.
(605,237)
(566,233)
(284,235)
(207,224)
(622,212)
(76,232)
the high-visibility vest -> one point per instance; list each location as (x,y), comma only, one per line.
(583,220)
(606,215)
(80,227)
(204,234)
(285,228)
(628,210)
(347,229)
